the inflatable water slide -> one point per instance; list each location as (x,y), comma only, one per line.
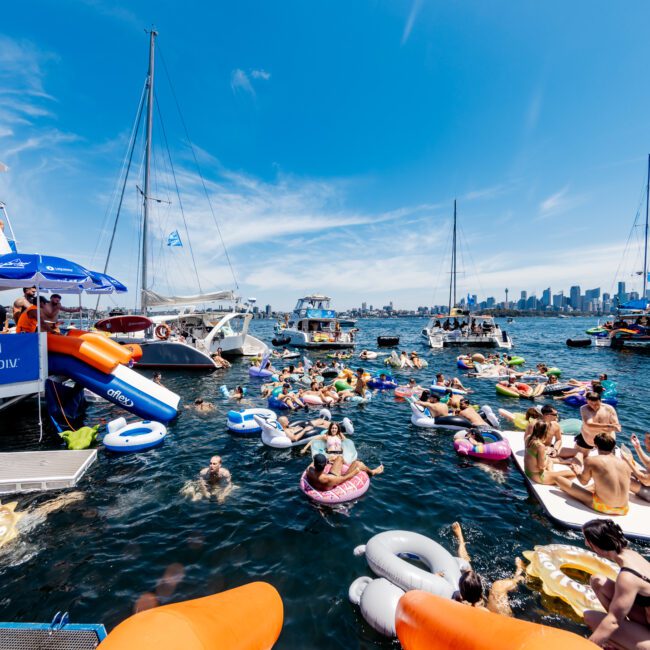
(102,366)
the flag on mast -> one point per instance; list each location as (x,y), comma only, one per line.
(174,239)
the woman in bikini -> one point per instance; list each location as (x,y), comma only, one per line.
(538,465)
(626,600)
(333,438)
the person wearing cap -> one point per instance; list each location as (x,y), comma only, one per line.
(321,480)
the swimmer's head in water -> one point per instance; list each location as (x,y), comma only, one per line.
(470,586)
(283,420)
(198,401)
(320,460)
(215,463)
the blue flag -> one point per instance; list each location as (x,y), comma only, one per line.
(174,239)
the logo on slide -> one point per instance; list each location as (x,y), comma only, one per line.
(118,396)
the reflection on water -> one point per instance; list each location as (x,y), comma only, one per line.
(137,540)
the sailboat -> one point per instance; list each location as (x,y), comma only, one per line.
(459,327)
(631,326)
(190,338)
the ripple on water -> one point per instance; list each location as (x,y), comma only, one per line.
(137,537)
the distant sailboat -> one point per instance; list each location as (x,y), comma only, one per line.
(459,327)
(631,328)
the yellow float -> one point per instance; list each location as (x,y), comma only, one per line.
(547,562)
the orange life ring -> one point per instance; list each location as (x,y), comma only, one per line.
(162,331)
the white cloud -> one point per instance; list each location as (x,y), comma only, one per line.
(410,21)
(261,74)
(240,80)
(559,203)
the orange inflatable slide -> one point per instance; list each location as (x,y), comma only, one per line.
(96,350)
(245,618)
(428,622)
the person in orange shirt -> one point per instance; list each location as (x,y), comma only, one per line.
(28,320)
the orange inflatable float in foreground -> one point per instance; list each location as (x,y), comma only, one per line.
(428,622)
(245,618)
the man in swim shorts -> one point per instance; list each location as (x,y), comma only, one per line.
(596,418)
(320,480)
(611,476)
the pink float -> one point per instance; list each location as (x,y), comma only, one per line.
(349,490)
(495,447)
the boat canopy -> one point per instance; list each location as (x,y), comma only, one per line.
(638,305)
(156,300)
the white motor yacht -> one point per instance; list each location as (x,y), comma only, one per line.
(314,325)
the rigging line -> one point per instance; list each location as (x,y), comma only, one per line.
(443,263)
(136,128)
(198,167)
(130,150)
(468,252)
(629,237)
(178,194)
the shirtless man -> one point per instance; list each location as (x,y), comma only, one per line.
(219,361)
(467,412)
(319,480)
(215,476)
(361,385)
(436,407)
(611,476)
(202,406)
(54,307)
(24,302)
(596,418)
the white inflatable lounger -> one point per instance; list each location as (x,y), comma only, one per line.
(568,512)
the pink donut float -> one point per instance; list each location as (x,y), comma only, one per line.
(351,489)
(313,400)
(494,448)
(407,391)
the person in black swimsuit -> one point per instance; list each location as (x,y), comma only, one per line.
(626,623)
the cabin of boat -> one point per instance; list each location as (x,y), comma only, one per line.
(465,329)
(315,325)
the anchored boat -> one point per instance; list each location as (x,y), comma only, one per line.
(314,325)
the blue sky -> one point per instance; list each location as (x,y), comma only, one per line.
(333,138)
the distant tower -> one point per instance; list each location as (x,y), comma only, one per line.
(506,298)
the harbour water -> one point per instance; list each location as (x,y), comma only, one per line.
(135,534)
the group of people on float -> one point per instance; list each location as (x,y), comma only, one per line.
(614,477)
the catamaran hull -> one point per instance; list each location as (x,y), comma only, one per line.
(439,341)
(173,354)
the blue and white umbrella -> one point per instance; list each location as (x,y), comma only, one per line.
(109,285)
(45,272)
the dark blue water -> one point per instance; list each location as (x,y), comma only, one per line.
(96,558)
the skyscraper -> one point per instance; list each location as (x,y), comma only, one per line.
(575,299)
(546,298)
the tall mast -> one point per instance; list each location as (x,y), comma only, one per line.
(645,241)
(452,278)
(147,167)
